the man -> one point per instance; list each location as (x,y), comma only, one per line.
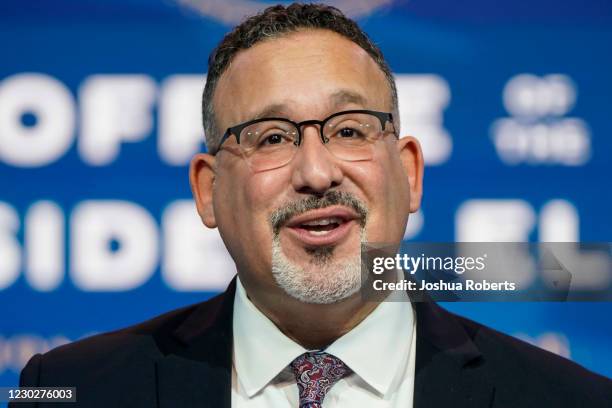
(305,165)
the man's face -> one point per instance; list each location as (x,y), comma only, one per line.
(271,220)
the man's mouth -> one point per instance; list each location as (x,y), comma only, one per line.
(326,226)
(321,226)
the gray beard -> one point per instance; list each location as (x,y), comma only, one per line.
(323,281)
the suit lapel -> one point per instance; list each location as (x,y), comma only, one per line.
(450,370)
(187,383)
(197,367)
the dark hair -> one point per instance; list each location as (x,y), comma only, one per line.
(274,22)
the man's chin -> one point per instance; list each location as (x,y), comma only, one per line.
(318,277)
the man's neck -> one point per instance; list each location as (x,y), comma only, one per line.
(313,326)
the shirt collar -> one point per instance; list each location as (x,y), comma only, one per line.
(377,349)
(262,351)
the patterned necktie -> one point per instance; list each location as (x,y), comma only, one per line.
(316,373)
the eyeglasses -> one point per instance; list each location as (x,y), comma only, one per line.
(270,143)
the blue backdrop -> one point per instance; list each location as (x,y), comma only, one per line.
(99,115)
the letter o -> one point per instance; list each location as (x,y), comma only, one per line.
(51,103)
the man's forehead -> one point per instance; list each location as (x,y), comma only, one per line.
(280,76)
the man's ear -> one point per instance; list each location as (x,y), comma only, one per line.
(411,156)
(202,180)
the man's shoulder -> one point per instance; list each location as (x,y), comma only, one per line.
(524,368)
(129,350)
(122,367)
(126,338)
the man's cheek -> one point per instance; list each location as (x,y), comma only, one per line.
(376,230)
(264,187)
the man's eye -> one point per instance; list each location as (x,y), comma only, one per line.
(349,133)
(273,139)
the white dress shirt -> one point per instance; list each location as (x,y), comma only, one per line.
(380,351)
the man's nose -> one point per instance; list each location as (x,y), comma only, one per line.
(315,168)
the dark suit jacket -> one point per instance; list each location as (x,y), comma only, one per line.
(184,359)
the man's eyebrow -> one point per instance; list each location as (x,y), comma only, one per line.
(270,111)
(345,97)
(337,99)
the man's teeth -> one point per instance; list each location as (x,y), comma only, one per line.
(324,232)
(323,221)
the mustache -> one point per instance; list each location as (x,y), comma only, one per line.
(280,216)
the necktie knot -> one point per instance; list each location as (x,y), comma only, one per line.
(316,373)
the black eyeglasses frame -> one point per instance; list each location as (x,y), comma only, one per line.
(384,117)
